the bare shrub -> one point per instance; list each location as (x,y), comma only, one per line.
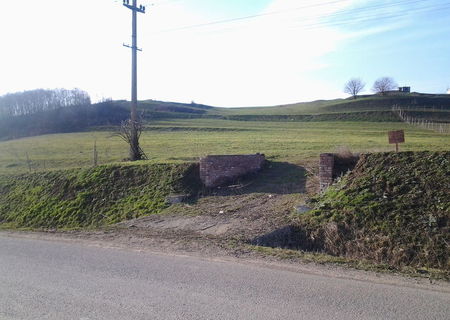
(344,160)
(343,152)
(126,133)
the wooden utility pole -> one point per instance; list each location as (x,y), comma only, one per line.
(135,151)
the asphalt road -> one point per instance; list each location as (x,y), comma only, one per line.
(60,280)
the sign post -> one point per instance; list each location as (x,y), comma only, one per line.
(397,136)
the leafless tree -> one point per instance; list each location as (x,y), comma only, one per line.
(383,85)
(354,86)
(126,133)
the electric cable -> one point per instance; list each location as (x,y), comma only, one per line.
(320,24)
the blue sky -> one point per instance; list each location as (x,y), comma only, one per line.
(225,52)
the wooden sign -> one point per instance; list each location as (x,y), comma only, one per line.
(397,136)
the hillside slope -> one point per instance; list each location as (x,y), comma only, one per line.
(110,114)
(85,117)
(393,208)
(92,197)
(362,104)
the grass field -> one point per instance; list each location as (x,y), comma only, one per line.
(187,139)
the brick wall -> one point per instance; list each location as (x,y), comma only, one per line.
(326,166)
(222,169)
(332,166)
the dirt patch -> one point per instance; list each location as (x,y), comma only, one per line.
(244,210)
(234,216)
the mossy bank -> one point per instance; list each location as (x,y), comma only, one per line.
(393,208)
(92,197)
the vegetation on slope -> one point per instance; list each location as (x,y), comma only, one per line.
(92,197)
(372,116)
(392,208)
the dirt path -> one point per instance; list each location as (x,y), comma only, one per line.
(247,215)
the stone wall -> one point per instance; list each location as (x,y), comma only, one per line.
(219,170)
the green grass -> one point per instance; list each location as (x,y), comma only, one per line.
(187,139)
(92,197)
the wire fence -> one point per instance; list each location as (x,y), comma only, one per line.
(405,116)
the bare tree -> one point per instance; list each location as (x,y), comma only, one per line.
(383,85)
(354,86)
(129,131)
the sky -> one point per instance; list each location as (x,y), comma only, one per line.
(226,53)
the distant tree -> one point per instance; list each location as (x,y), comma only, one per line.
(354,86)
(34,101)
(383,85)
(68,119)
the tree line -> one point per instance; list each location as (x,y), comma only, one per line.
(381,86)
(34,101)
(68,119)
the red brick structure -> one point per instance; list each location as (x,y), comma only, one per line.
(326,171)
(219,170)
(333,165)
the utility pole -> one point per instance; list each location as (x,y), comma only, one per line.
(135,150)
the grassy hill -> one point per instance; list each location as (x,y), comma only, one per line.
(371,104)
(362,104)
(393,208)
(92,197)
(373,108)
(110,114)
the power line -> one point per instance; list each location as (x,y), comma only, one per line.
(368,18)
(247,17)
(381,7)
(366,9)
